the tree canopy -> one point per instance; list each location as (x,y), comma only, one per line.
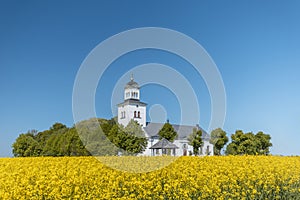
(89,137)
(195,140)
(249,143)
(219,139)
(167,132)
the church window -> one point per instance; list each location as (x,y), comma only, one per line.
(134,114)
(139,116)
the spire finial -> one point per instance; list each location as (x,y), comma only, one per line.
(131,77)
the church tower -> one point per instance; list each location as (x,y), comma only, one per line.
(132,107)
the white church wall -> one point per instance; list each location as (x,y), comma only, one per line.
(129,114)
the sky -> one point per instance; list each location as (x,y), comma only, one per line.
(255,45)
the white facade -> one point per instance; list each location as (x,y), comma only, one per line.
(183,148)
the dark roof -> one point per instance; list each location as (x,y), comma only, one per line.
(183,131)
(132,102)
(164,144)
(132,84)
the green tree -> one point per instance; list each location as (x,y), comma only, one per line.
(219,139)
(263,143)
(248,143)
(25,145)
(52,144)
(127,142)
(167,132)
(133,128)
(94,134)
(195,140)
(70,144)
(242,143)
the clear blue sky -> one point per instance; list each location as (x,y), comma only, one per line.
(255,44)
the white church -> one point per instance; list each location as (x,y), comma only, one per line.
(133,108)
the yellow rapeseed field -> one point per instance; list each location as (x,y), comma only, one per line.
(223,177)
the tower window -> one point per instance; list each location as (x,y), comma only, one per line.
(134,114)
(122,114)
(139,115)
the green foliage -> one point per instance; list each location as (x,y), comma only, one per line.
(94,136)
(167,132)
(263,143)
(126,139)
(59,140)
(26,145)
(133,128)
(195,140)
(219,139)
(248,143)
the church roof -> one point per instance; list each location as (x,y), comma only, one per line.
(183,131)
(132,102)
(164,144)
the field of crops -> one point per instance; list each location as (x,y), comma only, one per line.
(224,177)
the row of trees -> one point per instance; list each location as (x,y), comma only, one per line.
(85,138)
(59,140)
(249,143)
(241,143)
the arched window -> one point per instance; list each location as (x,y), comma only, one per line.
(134,114)
(139,115)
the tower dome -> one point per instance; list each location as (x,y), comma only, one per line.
(132,84)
